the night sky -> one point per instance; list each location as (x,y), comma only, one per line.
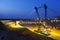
(17,9)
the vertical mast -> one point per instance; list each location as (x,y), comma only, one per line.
(37,13)
(45,8)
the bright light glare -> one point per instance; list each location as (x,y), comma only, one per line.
(11,24)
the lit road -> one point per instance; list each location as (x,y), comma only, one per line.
(54,33)
(11,24)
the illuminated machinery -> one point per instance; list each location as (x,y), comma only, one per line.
(42,28)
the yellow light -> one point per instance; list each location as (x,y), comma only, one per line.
(11,24)
(54,32)
(34,29)
(15,26)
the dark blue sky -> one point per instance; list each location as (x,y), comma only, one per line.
(25,8)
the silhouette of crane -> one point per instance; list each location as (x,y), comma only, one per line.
(45,8)
(36,8)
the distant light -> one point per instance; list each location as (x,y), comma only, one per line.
(52,21)
(48,18)
(55,18)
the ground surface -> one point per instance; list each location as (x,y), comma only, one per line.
(27,33)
